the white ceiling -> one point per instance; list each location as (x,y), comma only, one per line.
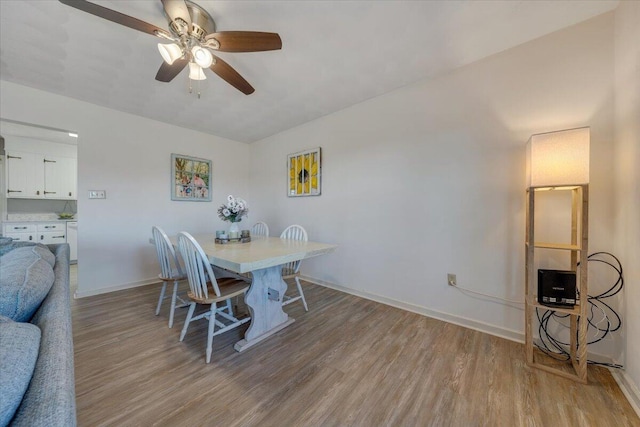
(335,54)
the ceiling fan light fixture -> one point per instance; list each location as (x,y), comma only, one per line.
(170,52)
(196,72)
(202,56)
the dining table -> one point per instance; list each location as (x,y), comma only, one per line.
(263,257)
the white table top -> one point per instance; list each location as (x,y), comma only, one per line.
(261,252)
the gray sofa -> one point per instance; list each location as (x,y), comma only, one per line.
(36,343)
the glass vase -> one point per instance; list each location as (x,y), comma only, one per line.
(234,231)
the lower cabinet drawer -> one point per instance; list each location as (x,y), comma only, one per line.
(49,237)
(18,228)
(54,226)
(22,237)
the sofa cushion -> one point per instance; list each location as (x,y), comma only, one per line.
(6,245)
(19,347)
(25,279)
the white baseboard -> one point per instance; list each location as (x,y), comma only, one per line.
(498,331)
(108,289)
(628,388)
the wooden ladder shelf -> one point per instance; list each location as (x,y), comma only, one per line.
(578,248)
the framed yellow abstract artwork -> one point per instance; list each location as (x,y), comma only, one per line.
(304,173)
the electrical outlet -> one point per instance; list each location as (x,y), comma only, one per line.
(451,280)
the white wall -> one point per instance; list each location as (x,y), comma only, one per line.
(627,175)
(129,157)
(430,179)
(423,181)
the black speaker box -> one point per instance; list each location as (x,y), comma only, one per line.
(557,288)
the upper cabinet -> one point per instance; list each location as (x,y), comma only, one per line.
(60,177)
(25,175)
(42,170)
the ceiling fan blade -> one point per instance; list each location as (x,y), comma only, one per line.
(167,72)
(177,9)
(245,41)
(117,17)
(232,77)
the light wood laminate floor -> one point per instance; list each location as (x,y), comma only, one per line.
(347,362)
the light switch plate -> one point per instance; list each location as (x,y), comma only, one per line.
(97,194)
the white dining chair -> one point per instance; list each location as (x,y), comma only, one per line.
(204,289)
(170,271)
(260,229)
(292,269)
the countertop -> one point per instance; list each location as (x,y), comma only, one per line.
(35,218)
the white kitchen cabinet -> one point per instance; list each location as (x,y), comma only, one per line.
(22,232)
(59,177)
(48,237)
(55,232)
(41,176)
(45,232)
(25,175)
(22,237)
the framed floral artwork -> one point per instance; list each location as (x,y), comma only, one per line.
(304,173)
(190,178)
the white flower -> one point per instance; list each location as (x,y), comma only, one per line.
(234,210)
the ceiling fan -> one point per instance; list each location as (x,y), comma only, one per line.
(193,37)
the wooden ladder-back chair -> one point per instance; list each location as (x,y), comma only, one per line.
(204,289)
(171,271)
(292,269)
(260,229)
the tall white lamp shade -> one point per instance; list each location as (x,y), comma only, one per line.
(558,158)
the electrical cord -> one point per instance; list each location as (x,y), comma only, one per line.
(492,297)
(556,348)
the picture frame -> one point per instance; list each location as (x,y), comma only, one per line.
(304,173)
(190,178)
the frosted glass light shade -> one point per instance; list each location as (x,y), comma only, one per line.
(202,56)
(558,158)
(170,52)
(195,72)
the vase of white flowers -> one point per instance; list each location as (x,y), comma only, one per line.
(233,211)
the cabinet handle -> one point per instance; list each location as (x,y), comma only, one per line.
(30,237)
(57,237)
(14,191)
(49,226)
(69,193)
(38,192)
(49,161)
(14,157)
(49,192)
(19,228)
